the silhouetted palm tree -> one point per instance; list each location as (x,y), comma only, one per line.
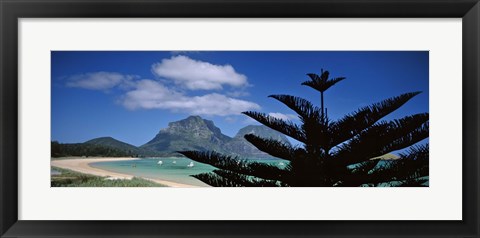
(334,153)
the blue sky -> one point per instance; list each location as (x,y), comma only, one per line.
(131,95)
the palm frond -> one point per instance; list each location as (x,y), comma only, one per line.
(414,136)
(321,83)
(358,173)
(301,106)
(419,182)
(313,124)
(234,164)
(285,127)
(383,138)
(352,124)
(275,148)
(409,170)
(416,152)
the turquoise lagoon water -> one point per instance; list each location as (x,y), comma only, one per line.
(172,169)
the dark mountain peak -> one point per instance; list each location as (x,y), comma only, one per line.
(188,120)
(194,117)
(191,133)
(191,120)
(194,126)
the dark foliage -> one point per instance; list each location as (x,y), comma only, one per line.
(85,149)
(334,153)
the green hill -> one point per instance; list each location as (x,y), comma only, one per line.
(82,149)
(111,142)
(122,146)
(100,147)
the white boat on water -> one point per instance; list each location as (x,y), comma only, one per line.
(174,162)
(190,165)
(160,162)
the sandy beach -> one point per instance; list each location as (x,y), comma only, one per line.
(82,165)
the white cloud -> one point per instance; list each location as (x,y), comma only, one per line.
(237,94)
(184,72)
(194,74)
(149,94)
(100,80)
(282,116)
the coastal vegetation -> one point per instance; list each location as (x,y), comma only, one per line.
(69,178)
(332,152)
(99,147)
(83,149)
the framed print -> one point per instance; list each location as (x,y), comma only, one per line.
(278,118)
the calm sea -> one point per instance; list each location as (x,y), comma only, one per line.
(170,169)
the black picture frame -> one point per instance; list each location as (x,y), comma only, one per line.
(12,10)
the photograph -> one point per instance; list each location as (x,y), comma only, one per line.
(191,119)
(278,118)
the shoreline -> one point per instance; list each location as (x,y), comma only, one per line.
(82,165)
